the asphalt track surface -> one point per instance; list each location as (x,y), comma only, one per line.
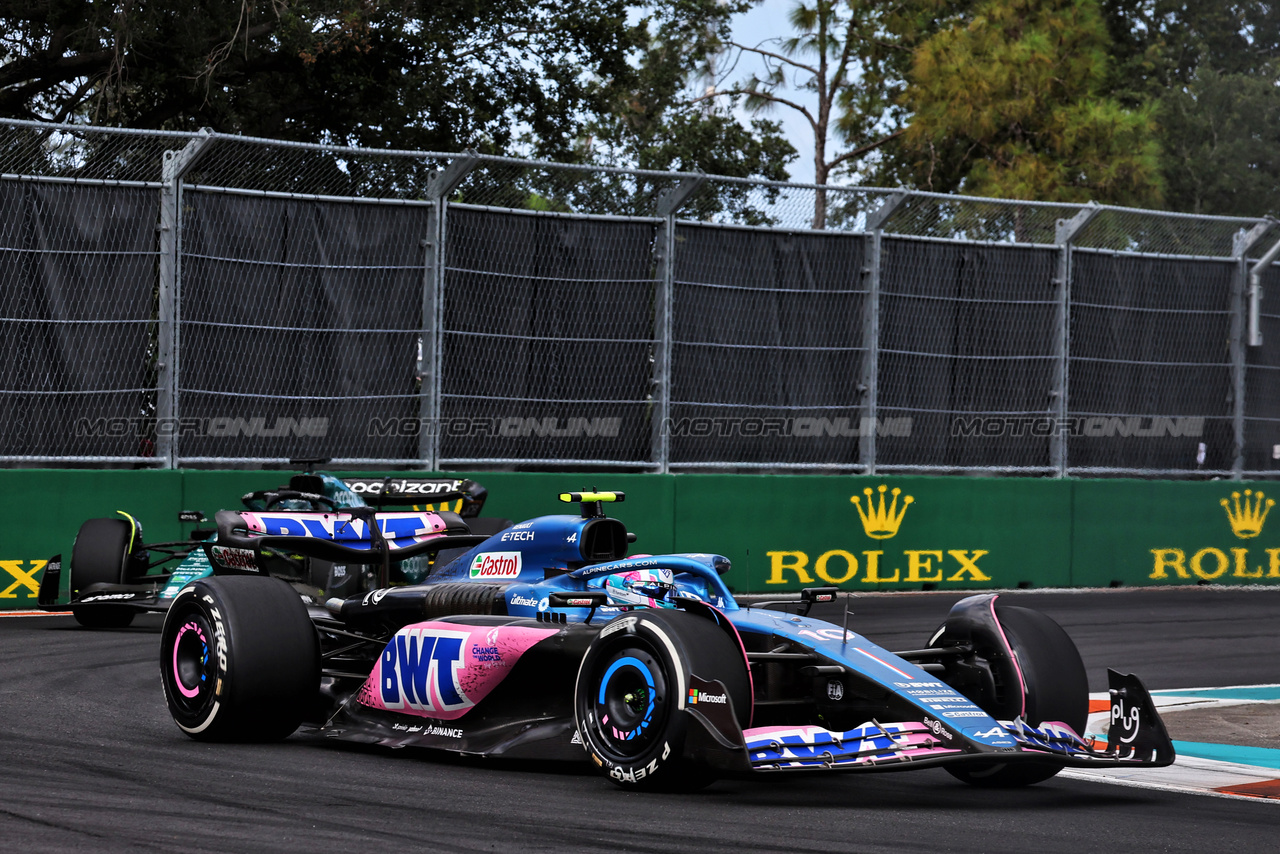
(93,762)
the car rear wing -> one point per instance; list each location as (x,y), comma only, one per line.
(461,496)
(354,536)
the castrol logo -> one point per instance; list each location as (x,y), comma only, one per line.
(496,565)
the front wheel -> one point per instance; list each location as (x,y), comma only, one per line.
(634,684)
(1048,666)
(101,556)
(239,659)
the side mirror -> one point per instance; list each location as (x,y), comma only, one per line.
(586,599)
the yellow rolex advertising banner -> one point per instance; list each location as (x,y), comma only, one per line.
(892,533)
(1161,533)
(782,532)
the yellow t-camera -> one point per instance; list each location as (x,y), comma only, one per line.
(570,497)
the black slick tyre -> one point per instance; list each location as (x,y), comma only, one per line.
(100,556)
(239,659)
(1057,689)
(629,692)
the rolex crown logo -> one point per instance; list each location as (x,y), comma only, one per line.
(881,523)
(1247,518)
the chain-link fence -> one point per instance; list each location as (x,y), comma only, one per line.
(199,299)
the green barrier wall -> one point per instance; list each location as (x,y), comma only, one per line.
(787,532)
(781,532)
(1154,533)
(42,510)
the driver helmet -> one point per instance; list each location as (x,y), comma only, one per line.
(646,588)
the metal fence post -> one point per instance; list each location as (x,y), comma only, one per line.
(169,293)
(440,185)
(1065,232)
(1255,293)
(669,201)
(870,384)
(1241,243)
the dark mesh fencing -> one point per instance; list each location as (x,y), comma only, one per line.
(963,218)
(207,299)
(1150,362)
(300,168)
(1262,386)
(77,263)
(547,338)
(80,152)
(967,336)
(767,347)
(300,323)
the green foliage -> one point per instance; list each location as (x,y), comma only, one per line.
(1211,69)
(1162,44)
(1222,143)
(585,81)
(490,74)
(1011,101)
(873,109)
(1111,100)
(850,55)
(662,122)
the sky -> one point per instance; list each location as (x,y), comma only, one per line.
(765,21)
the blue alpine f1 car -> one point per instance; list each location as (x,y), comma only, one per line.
(547,641)
(116,575)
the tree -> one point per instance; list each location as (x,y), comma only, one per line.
(499,75)
(661,122)
(1011,100)
(1162,44)
(845,53)
(1221,154)
(1212,68)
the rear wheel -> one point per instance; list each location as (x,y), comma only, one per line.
(628,696)
(239,659)
(101,556)
(1057,689)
